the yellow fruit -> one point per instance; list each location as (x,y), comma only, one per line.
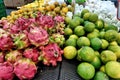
(102,68)
(48,8)
(86,16)
(3,18)
(68,31)
(64,4)
(62,14)
(56,3)
(70,52)
(65,9)
(105,43)
(57,9)
(52,6)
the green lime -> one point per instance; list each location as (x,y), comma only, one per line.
(111,35)
(68,31)
(83,41)
(79,31)
(99,24)
(102,68)
(105,43)
(93,34)
(89,27)
(67,20)
(78,56)
(113,43)
(101,76)
(111,27)
(96,62)
(112,69)
(96,43)
(74,22)
(115,49)
(86,70)
(107,56)
(101,34)
(97,54)
(87,54)
(70,42)
(118,39)
(74,36)
(84,11)
(86,16)
(93,17)
(69,52)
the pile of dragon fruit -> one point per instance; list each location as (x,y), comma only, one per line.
(27,42)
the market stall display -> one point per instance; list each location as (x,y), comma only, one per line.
(76,41)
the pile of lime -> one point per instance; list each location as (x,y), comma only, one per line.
(95,44)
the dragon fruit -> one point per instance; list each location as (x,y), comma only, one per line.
(1,57)
(45,21)
(57,38)
(59,19)
(21,41)
(25,69)
(6,42)
(6,71)
(5,24)
(59,28)
(32,54)
(13,56)
(20,24)
(37,36)
(50,54)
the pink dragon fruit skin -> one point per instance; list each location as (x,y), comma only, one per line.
(5,24)
(59,19)
(45,21)
(25,69)
(6,71)
(6,42)
(2,57)
(38,36)
(13,56)
(51,54)
(20,25)
(32,54)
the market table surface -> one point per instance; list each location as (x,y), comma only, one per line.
(66,70)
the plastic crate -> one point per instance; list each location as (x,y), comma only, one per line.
(2,9)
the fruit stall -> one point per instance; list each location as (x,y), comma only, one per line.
(61,40)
